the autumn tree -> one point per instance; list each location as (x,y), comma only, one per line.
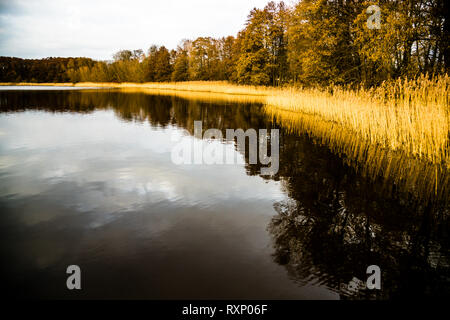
(229,57)
(181,66)
(163,67)
(253,58)
(263,46)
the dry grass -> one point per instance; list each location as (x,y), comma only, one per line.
(408,116)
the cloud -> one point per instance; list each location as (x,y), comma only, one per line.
(36,29)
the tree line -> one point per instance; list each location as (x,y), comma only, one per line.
(313,42)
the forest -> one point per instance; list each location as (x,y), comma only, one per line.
(312,43)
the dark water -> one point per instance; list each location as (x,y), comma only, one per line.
(86,178)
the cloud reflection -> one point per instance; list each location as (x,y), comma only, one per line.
(111,167)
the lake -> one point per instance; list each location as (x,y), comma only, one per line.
(86,178)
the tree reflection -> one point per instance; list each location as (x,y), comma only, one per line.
(336,224)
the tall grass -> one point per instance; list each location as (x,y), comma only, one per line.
(406,115)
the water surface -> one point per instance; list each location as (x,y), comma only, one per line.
(86,178)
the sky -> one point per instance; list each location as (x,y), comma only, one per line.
(98,28)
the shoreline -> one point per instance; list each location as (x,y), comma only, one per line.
(192,86)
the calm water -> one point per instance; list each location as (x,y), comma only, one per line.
(86,178)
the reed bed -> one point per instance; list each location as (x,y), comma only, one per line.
(411,116)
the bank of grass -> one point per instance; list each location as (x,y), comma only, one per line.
(411,116)
(406,115)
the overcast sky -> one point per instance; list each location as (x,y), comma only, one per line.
(98,28)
